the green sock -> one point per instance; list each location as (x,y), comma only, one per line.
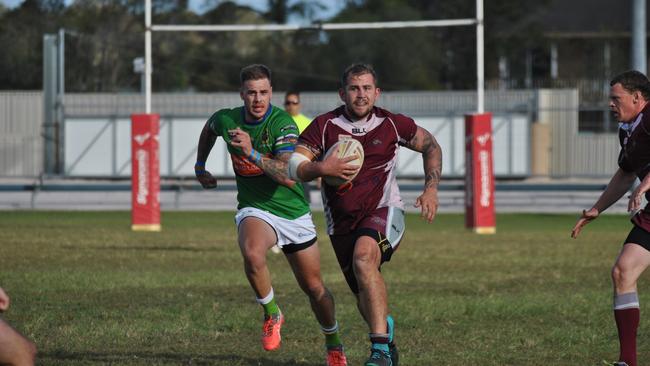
(271,308)
(332,338)
(269,305)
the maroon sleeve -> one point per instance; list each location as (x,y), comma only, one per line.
(623,161)
(406,128)
(312,137)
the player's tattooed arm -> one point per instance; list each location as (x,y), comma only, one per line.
(276,168)
(426,144)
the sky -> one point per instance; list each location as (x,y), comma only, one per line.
(199,5)
(196,5)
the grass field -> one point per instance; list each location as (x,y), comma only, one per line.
(89,291)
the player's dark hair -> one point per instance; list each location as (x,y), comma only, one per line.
(358,69)
(292,92)
(633,81)
(254,72)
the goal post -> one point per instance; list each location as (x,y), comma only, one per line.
(472,190)
(478,22)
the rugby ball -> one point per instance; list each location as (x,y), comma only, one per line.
(347,147)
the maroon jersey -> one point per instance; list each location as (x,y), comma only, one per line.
(635,156)
(381,134)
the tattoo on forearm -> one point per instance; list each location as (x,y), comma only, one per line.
(432,179)
(276,168)
(432,159)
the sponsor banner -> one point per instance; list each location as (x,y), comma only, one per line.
(145,172)
(479,174)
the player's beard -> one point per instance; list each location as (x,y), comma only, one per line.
(358,116)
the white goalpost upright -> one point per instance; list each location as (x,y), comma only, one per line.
(147,56)
(480,67)
(479,191)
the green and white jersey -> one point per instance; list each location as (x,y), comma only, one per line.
(274,134)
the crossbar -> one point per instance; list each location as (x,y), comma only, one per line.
(315,26)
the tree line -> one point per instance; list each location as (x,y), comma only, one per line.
(103,37)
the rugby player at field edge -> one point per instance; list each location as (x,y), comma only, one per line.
(365,217)
(272,209)
(628,100)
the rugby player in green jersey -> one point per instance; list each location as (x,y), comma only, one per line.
(272,209)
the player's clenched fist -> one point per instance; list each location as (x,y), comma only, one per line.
(239,138)
(204,177)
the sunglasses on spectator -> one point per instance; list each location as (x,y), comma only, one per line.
(288,102)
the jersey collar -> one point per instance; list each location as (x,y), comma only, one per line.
(352,120)
(260,121)
(630,127)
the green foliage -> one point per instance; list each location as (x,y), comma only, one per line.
(91,292)
(104,36)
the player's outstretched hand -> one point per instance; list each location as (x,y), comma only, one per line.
(4,300)
(333,166)
(206,179)
(428,202)
(586,217)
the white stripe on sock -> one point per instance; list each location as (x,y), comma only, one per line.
(267,299)
(331,330)
(630,305)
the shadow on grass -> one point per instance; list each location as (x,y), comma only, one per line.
(156,358)
(145,248)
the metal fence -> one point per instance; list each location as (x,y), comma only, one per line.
(97,140)
(574,153)
(21,141)
(95,133)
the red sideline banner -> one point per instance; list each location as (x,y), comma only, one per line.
(479,175)
(145,172)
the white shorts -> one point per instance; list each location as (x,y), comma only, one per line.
(298,231)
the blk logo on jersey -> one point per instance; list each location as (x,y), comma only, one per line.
(359,131)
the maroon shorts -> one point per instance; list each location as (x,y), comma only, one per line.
(385,225)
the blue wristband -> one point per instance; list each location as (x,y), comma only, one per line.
(255,156)
(199,166)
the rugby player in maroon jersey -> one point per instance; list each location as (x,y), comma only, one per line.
(628,100)
(365,217)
